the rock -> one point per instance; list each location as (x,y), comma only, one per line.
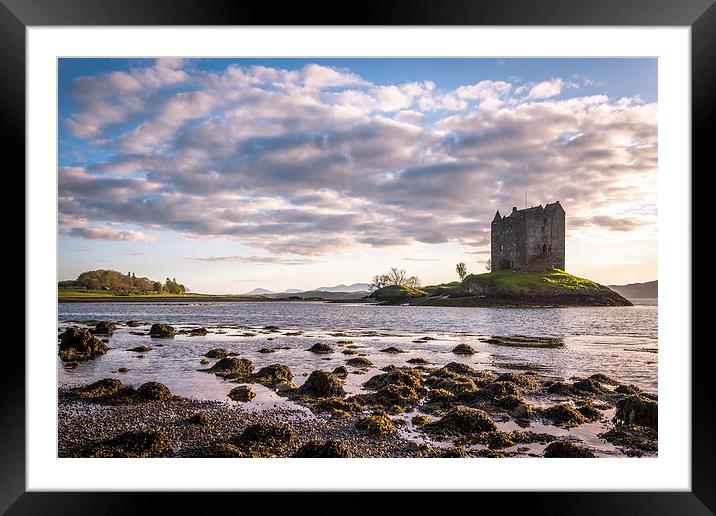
(242,393)
(151,391)
(439,395)
(198,332)
(340,372)
(518,379)
(420,420)
(462,420)
(284,387)
(100,389)
(564,415)
(266,439)
(589,385)
(627,389)
(589,411)
(271,329)
(561,388)
(326,449)
(418,361)
(133,324)
(216,353)
(602,378)
(162,331)
(394,398)
(359,362)
(77,344)
(392,350)
(376,425)
(267,350)
(199,419)
(203,361)
(566,449)
(231,367)
(320,348)
(104,328)
(321,384)
(123,370)
(273,374)
(339,406)
(140,349)
(464,349)
(637,410)
(502,389)
(132,444)
(409,377)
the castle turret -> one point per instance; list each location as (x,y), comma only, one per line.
(498,217)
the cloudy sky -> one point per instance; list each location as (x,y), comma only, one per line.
(232,174)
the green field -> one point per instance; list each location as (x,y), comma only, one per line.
(70,293)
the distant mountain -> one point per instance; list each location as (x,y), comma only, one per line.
(355,287)
(650,289)
(259,292)
(292,291)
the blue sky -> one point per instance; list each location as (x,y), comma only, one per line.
(230,174)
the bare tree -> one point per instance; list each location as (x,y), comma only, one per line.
(394,277)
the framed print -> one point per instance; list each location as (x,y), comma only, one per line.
(417,250)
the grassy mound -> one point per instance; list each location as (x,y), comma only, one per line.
(507,279)
(397,292)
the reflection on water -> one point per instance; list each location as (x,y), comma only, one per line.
(620,342)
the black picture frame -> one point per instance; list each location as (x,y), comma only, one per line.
(17,15)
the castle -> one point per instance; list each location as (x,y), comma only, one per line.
(529,240)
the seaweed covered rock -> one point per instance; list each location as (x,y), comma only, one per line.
(162,331)
(393,350)
(411,378)
(560,388)
(273,374)
(637,410)
(379,424)
(104,328)
(464,349)
(140,349)
(394,398)
(518,379)
(320,348)
(339,406)
(627,389)
(567,449)
(231,367)
(266,439)
(153,391)
(197,332)
(340,372)
(321,384)
(78,344)
(360,362)
(589,411)
(132,444)
(463,421)
(199,419)
(100,389)
(419,420)
(418,361)
(564,415)
(241,393)
(590,386)
(323,449)
(216,353)
(632,440)
(501,389)
(439,396)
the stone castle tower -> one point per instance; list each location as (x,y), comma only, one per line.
(529,240)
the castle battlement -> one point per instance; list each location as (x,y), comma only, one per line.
(529,239)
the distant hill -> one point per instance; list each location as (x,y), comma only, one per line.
(650,289)
(355,287)
(292,291)
(259,292)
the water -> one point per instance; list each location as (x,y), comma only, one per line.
(620,342)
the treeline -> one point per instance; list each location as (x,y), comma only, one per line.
(105,279)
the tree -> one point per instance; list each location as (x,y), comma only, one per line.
(488,265)
(461,269)
(157,286)
(394,277)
